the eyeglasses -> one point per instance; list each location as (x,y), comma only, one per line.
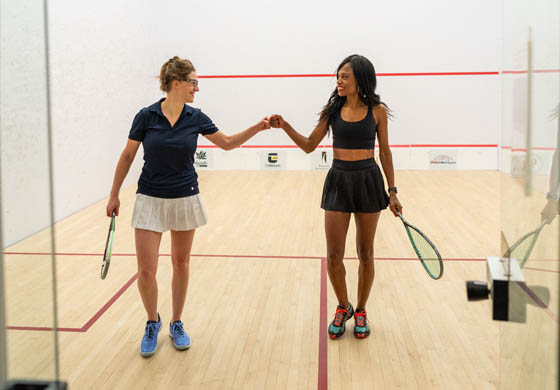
(193,82)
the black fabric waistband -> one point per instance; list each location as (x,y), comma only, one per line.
(354,165)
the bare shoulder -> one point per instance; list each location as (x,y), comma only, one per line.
(380,113)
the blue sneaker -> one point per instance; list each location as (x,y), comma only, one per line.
(149,341)
(181,339)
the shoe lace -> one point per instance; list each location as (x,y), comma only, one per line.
(178,329)
(339,316)
(150,331)
(361,318)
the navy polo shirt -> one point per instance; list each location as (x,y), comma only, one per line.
(168,170)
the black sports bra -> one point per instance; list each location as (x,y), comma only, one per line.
(354,135)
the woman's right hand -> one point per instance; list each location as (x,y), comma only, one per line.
(277,121)
(550,211)
(113,205)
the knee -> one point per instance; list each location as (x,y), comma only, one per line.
(334,257)
(147,273)
(365,254)
(180,263)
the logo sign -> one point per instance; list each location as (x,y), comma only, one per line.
(203,159)
(443,159)
(321,159)
(519,164)
(273,160)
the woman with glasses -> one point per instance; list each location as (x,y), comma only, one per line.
(168,196)
(354,184)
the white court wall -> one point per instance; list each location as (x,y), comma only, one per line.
(105,57)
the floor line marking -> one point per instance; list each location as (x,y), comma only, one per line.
(91,321)
(234,256)
(322,379)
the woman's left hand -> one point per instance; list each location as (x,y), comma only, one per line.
(394,204)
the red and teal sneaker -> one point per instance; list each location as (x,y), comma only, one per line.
(361,326)
(338,325)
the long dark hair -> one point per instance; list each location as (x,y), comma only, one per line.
(366,80)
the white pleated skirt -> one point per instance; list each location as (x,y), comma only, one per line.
(161,215)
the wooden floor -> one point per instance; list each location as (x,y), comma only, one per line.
(259,296)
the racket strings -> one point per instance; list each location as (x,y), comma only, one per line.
(426,252)
(521,251)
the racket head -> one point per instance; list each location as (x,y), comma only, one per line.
(522,248)
(425,249)
(108,248)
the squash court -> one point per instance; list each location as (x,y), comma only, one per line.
(259,299)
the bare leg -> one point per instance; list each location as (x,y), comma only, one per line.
(181,244)
(366,225)
(336,227)
(147,248)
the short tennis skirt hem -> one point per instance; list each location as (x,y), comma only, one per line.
(161,214)
(354,187)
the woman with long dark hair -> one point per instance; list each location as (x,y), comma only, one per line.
(354,184)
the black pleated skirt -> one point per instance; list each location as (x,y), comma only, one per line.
(354,187)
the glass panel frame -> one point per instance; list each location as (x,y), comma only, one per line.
(29,350)
(529,349)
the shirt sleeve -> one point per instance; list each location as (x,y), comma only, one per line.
(206,126)
(138,129)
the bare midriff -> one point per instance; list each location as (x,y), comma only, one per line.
(352,154)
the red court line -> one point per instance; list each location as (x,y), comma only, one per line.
(537,300)
(542,270)
(322,380)
(237,256)
(453,146)
(91,321)
(256,256)
(269,146)
(40,328)
(524,71)
(544,260)
(392,146)
(262,76)
(545,148)
(109,303)
(385,74)
(311,75)
(113,299)
(441,74)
